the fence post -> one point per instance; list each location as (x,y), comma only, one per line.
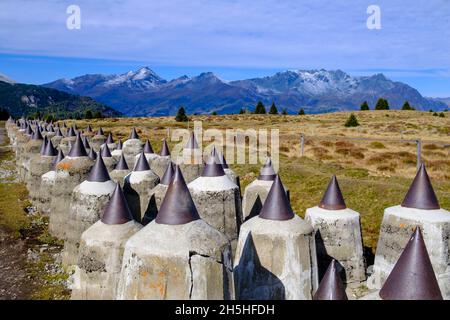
(302,144)
(419,152)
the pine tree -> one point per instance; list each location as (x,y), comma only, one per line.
(301,112)
(273,109)
(352,121)
(284,112)
(441,115)
(386,104)
(181,115)
(406,106)
(364,106)
(380,104)
(242,111)
(260,108)
(88,114)
(4,114)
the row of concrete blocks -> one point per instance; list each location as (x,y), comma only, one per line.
(274,250)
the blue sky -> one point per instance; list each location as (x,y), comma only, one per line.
(235,39)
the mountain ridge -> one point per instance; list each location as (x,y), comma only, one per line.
(144,93)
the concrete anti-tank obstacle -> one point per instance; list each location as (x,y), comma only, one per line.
(337,231)
(419,208)
(121,170)
(218,200)
(21,140)
(275,256)
(68,140)
(331,286)
(255,193)
(101,250)
(45,193)
(39,165)
(88,202)
(191,162)
(108,159)
(177,255)
(226,168)
(56,139)
(157,194)
(70,172)
(162,160)
(137,186)
(132,147)
(112,145)
(148,152)
(412,277)
(117,152)
(32,147)
(98,139)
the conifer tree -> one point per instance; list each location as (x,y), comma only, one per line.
(352,121)
(260,108)
(364,106)
(181,115)
(273,109)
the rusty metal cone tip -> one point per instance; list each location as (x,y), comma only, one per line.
(77,149)
(277,206)
(177,206)
(98,172)
(117,210)
(331,286)
(122,164)
(421,193)
(142,163)
(412,277)
(333,199)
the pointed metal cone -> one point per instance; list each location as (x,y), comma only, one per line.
(331,286)
(50,129)
(219,158)
(43,145)
(89,128)
(224,161)
(412,277)
(117,210)
(119,145)
(142,163)
(75,128)
(86,143)
(100,132)
(50,150)
(134,134)
(105,152)
(58,158)
(168,174)
(333,199)
(77,149)
(92,154)
(109,139)
(277,206)
(71,132)
(37,135)
(192,142)
(59,133)
(98,172)
(29,131)
(148,147)
(165,149)
(122,164)
(177,206)
(212,168)
(421,193)
(64,125)
(267,172)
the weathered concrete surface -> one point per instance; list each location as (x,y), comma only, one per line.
(130,149)
(39,165)
(100,260)
(187,261)
(396,228)
(89,200)
(137,187)
(159,165)
(70,172)
(156,197)
(275,260)
(233,176)
(66,143)
(21,142)
(148,156)
(338,236)
(255,195)
(56,140)
(218,202)
(45,193)
(110,163)
(191,171)
(32,147)
(118,176)
(96,141)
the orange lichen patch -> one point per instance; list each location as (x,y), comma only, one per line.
(402,225)
(64,165)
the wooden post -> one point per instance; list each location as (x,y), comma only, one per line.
(302,144)
(419,153)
